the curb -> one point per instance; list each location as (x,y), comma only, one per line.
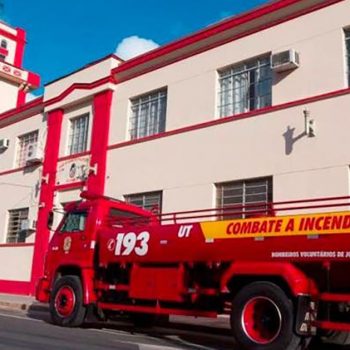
(17,306)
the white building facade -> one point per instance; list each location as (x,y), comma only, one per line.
(214,119)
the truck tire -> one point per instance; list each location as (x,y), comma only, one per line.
(66,302)
(262,318)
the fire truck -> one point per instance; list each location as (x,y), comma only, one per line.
(279,270)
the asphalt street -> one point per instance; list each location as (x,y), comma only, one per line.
(33,331)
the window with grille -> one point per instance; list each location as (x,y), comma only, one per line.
(3,44)
(15,231)
(26,144)
(148,114)
(245,87)
(245,198)
(151,201)
(78,135)
(347,45)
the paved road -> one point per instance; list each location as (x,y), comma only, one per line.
(19,331)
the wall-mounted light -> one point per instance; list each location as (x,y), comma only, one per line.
(309,124)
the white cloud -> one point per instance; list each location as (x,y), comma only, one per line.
(134,46)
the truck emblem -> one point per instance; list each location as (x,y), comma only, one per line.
(111,245)
(67,243)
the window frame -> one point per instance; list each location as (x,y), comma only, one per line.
(243,205)
(16,237)
(128,198)
(83,146)
(346,34)
(248,100)
(134,130)
(22,147)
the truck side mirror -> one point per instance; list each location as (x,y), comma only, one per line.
(50,220)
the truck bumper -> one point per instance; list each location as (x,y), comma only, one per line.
(42,292)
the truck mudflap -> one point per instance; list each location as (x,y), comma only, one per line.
(306,315)
(42,292)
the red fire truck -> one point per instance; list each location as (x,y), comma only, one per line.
(280,270)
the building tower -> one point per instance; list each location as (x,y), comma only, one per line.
(15,82)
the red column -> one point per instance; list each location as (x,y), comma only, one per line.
(99,141)
(21,97)
(21,41)
(54,126)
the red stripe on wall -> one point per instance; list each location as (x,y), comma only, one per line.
(21,37)
(15,287)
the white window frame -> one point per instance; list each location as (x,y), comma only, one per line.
(141,199)
(23,143)
(148,114)
(14,222)
(78,143)
(237,93)
(242,193)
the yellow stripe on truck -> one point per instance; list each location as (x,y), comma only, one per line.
(327,223)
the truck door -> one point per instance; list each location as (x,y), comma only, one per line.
(71,242)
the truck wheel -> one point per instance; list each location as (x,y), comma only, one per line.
(66,302)
(262,318)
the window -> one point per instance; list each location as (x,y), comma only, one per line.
(74,222)
(78,136)
(151,201)
(347,44)
(148,114)
(15,231)
(245,87)
(3,44)
(256,192)
(26,144)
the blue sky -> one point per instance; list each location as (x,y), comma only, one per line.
(64,35)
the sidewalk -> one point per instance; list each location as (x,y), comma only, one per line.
(20,303)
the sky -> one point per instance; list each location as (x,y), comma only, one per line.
(64,35)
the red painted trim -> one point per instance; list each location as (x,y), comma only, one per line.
(19,54)
(54,127)
(14,37)
(99,141)
(85,67)
(33,80)
(74,156)
(7,172)
(164,50)
(70,186)
(80,86)
(3,51)
(21,97)
(16,245)
(15,287)
(263,111)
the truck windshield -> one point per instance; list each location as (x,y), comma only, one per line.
(74,222)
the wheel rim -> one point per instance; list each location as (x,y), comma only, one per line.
(65,301)
(261,320)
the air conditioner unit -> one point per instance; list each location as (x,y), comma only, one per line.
(4,144)
(34,154)
(28,225)
(285,60)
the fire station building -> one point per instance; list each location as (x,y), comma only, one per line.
(255,108)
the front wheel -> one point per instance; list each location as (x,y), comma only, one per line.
(262,318)
(66,302)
